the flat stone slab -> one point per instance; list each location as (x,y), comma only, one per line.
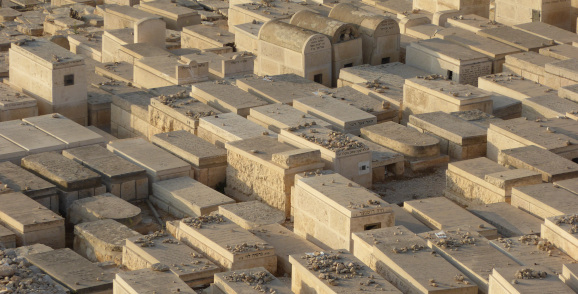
(189,197)
(182,108)
(380,155)
(138,151)
(449,127)
(65,130)
(406,261)
(516,38)
(544,200)
(433,212)
(469,252)
(509,220)
(552,167)
(101,240)
(512,85)
(105,206)
(252,214)
(363,101)
(276,117)
(404,140)
(191,148)
(181,260)
(561,231)
(548,31)
(407,220)
(250,280)
(65,173)
(72,270)
(226,97)
(230,127)
(21,180)
(531,250)
(149,281)
(279,88)
(11,151)
(470,40)
(502,277)
(29,138)
(569,185)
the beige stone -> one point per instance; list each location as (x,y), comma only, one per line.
(501,281)
(105,206)
(544,200)
(233,282)
(146,280)
(552,167)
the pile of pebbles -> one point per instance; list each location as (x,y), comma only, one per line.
(18,276)
(528,274)
(453,243)
(571,220)
(149,240)
(337,141)
(198,222)
(244,247)
(257,280)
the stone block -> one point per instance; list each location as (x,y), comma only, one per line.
(105,206)
(502,277)
(252,214)
(552,167)
(544,200)
(249,280)
(509,220)
(146,280)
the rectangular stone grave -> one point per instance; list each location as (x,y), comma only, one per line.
(552,167)
(279,88)
(158,248)
(405,260)
(226,244)
(73,271)
(148,281)
(31,222)
(276,117)
(482,181)
(29,138)
(501,281)
(509,220)
(121,177)
(14,105)
(229,127)
(7,238)
(407,220)
(21,180)
(226,97)
(342,117)
(161,166)
(544,200)
(65,130)
(469,252)
(249,280)
(384,161)
(185,197)
(561,231)
(433,213)
(73,181)
(328,209)
(516,38)
(208,162)
(105,206)
(11,151)
(570,276)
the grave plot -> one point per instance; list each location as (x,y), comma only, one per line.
(525,279)
(249,280)
(561,231)
(552,167)
(105,206)
(509,220)
(544,200)
(20,180)
(148,281)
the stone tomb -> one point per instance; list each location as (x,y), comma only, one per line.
(405,260)
(509,220)
(339,151)
(328,209)
(264,169)
(512,85)
(335,272)
(105,206)
(544,200)
(482,181)
(162,166)
(458,138)
(73,181)
(27,137)
(469,252)
(561,231)
(248,281)
(570,276)
(420,151)
(551,166)
(121,177)
(383,110)
(73,271)
(342,117)
(279,88)
(158,249)
(225,243)
(129,110)
(502,281)
(102,240)
(432,93)
(65,130)
(383,160)
(434,213)
(531,250)
(7,238)
(226,97)
(208,161)
(252,214)
(176,112)
(286,243)
(31,222)
(175,16)
(516,38)
(148,281)
(168,70)
(229,127)
(20,180)
(276,117)
(185,197)
(206,36)
(14,105)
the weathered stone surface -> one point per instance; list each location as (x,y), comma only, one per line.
(252,214)
(105,206)
(149,281)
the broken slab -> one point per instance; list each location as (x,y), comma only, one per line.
(249,280)
(482,181)
(185,197)
(458,138)
(148,281)
(252,214)
(552,167)
(279,88)
(511,280)
(226,97)
(105,206)
(101,240)
(544,200)
(433,213)
(225,243)
(31,222)
(208,161)
(121,177)
(561,231)
(20,180)
(509,220)
(329,208)
(159,249)
(162,166)
(406,261)
(65,130)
